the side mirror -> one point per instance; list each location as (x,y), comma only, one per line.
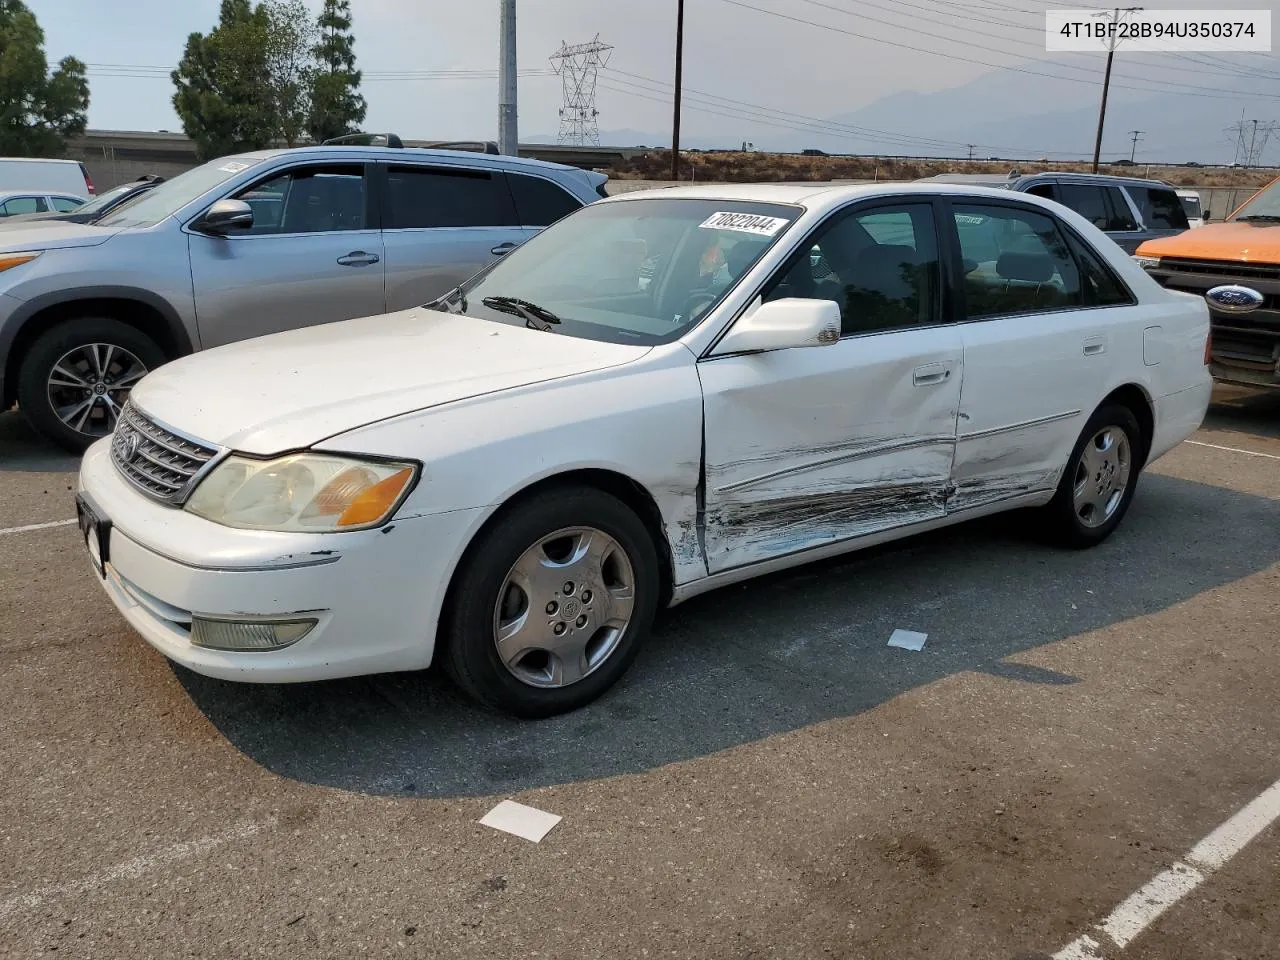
(782,324)
(225,216)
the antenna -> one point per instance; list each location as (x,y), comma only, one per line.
(578,66)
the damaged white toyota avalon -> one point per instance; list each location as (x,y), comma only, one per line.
(662,393)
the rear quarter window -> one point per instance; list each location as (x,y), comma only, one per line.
(539,202)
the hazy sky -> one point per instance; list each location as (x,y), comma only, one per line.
(731,52)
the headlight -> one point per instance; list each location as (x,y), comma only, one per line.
(303,492)
(1147,263)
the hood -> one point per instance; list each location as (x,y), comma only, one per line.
(52,235)
(1229,240)
(290,390)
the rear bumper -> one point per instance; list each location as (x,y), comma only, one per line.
(1178,416)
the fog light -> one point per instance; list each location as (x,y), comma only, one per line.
(248,634)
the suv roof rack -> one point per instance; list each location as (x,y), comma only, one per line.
(365,140)
(472,146)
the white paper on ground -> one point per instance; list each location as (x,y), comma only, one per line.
(526,822)
(908,639)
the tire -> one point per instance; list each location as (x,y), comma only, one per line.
(108,356)
(513,580)
(1098,483)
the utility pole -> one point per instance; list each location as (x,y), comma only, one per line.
(508,137)
(971,146)
(675,121)
(1134,135)
(1106,81)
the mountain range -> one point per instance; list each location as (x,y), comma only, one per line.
(1008,114)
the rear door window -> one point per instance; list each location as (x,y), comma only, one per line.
(1015,261)
(1161,209)
(539,202)
(1087,200)
(419,197)
(1121,214)
(20,205)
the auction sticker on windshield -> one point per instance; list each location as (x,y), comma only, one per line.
(744,223)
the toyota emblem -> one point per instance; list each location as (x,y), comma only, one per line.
(131,441)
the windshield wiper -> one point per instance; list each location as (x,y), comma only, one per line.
(1270,217)
(522,308)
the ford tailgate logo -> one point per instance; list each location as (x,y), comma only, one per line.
(1234,298)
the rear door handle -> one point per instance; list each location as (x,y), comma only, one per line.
(1094,346)
(358,258)
(931,373)
(503,248)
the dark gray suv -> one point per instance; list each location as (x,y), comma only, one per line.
(1127,209)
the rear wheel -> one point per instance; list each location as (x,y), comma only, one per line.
(76,377)
(1098,482)
(552,603)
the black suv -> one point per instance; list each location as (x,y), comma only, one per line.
(1127,209)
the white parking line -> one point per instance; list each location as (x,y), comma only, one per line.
(129,870)
(1139,911)
(1247,453)
(38,526)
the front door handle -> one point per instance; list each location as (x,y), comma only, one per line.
(931,373)
(503,248)
(358,258)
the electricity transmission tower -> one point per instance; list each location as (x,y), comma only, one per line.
(1250,138)
(578,67)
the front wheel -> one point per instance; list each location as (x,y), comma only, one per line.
(552,603)
(77,375)
(1098,482)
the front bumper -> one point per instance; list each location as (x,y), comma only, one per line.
(375,593)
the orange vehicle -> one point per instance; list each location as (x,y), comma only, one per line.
(1235,265)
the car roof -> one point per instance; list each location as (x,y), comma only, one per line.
(816,195)
(9,194)
(393,154)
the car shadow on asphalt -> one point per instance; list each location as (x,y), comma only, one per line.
(1245,409)
(23,451)
(764,657)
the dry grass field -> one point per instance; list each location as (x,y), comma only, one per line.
(737,167)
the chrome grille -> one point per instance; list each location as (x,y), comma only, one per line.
(157,461)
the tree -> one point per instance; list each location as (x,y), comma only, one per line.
(224,92)
(291,41)
(38,110)
(336,104)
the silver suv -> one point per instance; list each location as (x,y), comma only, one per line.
(250,245)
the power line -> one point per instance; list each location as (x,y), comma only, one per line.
(741,110)
(1220,95)
(862,15)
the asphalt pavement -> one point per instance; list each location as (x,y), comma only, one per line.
(769,780)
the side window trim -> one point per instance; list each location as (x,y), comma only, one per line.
(962,310)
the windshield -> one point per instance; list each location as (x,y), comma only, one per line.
(171,196)
(1265,205)
(104,200)
(632,271)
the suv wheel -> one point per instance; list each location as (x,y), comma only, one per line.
(76,377)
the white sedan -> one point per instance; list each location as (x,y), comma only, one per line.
(663,393)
